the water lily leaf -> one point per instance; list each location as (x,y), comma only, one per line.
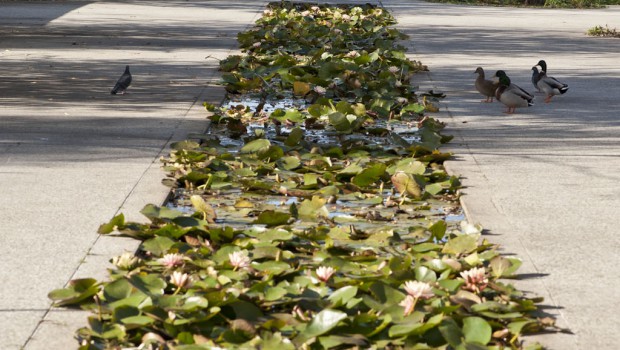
(151,284)
(504,267)
(273,153)
(516,327)
(334,341)
(158,245)
(340,122)
(322,323)
(288,163)
(117,221)
(272,218)
(385,294)
(369,175)
(272,267)
(201,206)
(256,146)
(438,229)
(352,169)
(117,290)
(106,330)
(290,115)
(152,212)
(274,341)
(195,303)
(424,274)
(461,244)
(246,310)
(312,209)
(428,325)
(243,203)
(317,110)
(78,291)
(433,188)
(408,166)
(244,172)
(275,293)
(477,330)
(450,285)
(185,145)
(413,107)
(294,137)
(406,184)
(451,332)
(342,296)
(301,88)
(407,326)
(429,138)
(137,321)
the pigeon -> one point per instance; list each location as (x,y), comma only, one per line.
(535,77)
(123,82)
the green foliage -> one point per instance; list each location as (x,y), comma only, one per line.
(319,226)
(603,31)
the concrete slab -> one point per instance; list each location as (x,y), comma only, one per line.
(542,181)
(72,155)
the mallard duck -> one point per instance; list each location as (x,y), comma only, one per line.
(510,94)
(535,78)
(485,87)
(549,85)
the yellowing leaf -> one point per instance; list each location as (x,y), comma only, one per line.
(300,88)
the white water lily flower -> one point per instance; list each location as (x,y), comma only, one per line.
(239,259)
(352,54)
(324,273)
(401,100)
(256,44)
(346,17)
(475,279)
(180,279)
(409,304)
(470,229)
(127,261)
(393,69)
(320,90)
(172,260)
(398,83)
(419,290)
(337,31)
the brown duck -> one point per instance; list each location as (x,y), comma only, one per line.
(484,86)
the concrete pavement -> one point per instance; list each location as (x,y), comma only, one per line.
(72,156)
(544,181)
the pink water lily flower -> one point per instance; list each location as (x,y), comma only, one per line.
(239,259)
(172,260)
(409,304)
(324,273)
(475,279)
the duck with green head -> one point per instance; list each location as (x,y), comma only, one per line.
(511,95)
(549,85)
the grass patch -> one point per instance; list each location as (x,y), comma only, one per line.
(605,31)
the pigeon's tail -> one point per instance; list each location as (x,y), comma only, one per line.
(115,89)
(563,89)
